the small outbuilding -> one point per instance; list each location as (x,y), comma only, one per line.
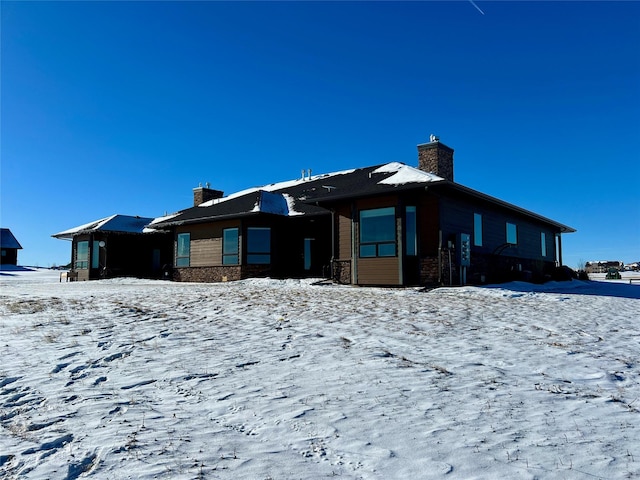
(10,246)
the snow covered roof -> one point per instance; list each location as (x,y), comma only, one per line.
(310,195)
(7,240)
(301,196)
(114,223)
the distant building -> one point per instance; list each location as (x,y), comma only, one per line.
(10,247)
(603,266)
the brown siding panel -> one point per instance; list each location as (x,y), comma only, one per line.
(378,271)
(344,233)
(206,242)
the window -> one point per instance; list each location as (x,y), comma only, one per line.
(95,255)
(307,253)
(378,232)
(259,245)
(82,256)
(512,234)
(411,244)
(230,246)
(543,244)
(477,229)
(4,253)
(183,251)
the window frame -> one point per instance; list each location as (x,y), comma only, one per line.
(82,262)
(511,233)
(411,231)
(377,248)
(233,257)
(258,256)
(181,247)
(477,229)
(543,244)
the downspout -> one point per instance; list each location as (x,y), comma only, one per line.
(440,257)
(354,257)
(333,243)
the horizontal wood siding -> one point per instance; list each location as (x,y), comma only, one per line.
(428,226)
(381,270)
(206,242)
(457,217)
(343,219)
(378,271)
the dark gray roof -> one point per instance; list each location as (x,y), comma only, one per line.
(311,196)
(303,196)
(7,240)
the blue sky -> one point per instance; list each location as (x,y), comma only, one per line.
(125,107)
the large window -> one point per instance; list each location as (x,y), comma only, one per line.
(259,245)
(411,235)
(543,244)
(82,256)
(230,246)
(183,250)
(477,229)
(378,232)
(512,234)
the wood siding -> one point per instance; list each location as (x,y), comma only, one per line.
(206,242)
(457,217)
(343,219)
(428,219)
(378,271)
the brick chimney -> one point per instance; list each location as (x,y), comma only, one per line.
(435,157)
(204,194)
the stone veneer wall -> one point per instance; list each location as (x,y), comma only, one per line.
(207,274)
(436,158)
(255,271)
(341,271)
(429,271)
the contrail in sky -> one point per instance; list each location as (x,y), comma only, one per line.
(474,4)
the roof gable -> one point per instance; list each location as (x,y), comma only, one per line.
(114,223)
(7,240)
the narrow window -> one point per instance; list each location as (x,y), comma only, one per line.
(230,246)
(543,243)
(477,229)
(378,232)
(307,253)
(95,255)
(411,233)
(82,256)
(259,245)
(183,251)
(512,234)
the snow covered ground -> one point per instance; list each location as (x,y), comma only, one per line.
(267,379)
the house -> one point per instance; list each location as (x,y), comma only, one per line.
(116,246)
(603,266)
(389,224)
(9,246)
